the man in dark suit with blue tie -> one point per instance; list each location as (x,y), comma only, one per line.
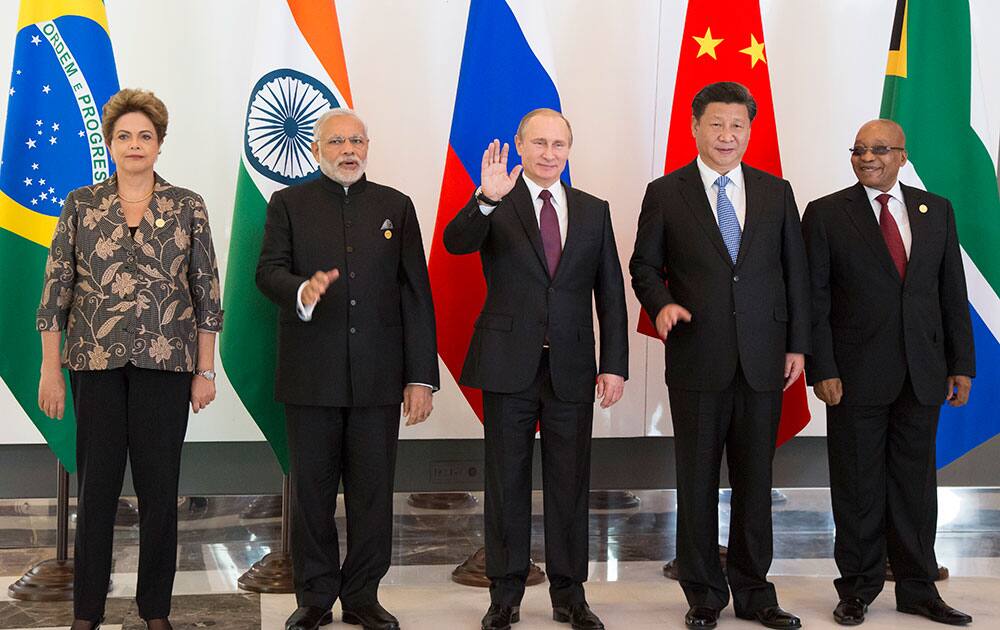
(892,340)
(720,267)
(548,254)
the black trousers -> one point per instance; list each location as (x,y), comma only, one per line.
(744,423)
(327,445)
(509,425)
(883,486)
(141,416)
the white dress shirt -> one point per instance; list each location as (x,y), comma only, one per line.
(898,211)
(735,190)
(558,202)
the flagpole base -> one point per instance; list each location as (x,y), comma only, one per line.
(472,572)
(47,581)
(270,574)
(442,500)
(613,500)
(670,568)
(942,573)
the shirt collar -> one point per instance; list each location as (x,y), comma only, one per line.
(534,190)
(709,175)
(895,192)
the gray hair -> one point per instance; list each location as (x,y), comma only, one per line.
(337,111)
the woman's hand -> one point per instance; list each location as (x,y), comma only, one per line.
(202,392)
(52,392)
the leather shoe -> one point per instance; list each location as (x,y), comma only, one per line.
(578,615)
(371,617)
(701,617)
(500,617)
(308,618)
(774,617)
(937,610)
(850,611)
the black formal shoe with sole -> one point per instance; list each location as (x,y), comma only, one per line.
(701,617)
(774,617)
(578,615)
(500,617)
(371,617)
(850,611)
(937,610)
(308,618)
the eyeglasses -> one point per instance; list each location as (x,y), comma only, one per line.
(860,150)
(356,141)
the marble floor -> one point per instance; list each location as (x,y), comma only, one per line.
(220,537)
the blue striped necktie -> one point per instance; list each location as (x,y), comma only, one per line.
(729,225)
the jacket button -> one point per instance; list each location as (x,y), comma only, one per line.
(353,330)
(350,250)
(736,278)
(347,224)
(351,275)
(551,290)
(354,302)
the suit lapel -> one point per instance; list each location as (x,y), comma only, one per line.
(912,199)
(754,192)
(574,215)
(525,210)
(859,209)
(693,191)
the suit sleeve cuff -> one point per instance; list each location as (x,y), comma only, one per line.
(305,313)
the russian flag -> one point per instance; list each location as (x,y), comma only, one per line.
(506,72)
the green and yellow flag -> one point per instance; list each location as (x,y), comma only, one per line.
(64,72)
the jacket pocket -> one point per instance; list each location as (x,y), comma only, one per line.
(495,321)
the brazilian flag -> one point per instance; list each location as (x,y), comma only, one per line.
(63,74)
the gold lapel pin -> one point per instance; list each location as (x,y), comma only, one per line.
(160,222)
(387,234)
(923,208)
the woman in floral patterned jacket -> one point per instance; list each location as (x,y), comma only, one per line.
(132,295)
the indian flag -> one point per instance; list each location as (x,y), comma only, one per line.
(298,73)
(932,88)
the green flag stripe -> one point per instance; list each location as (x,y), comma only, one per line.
(248,343)
(23,264)
(932,103)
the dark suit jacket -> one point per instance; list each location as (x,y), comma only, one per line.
(523,306)
(373,330)
(869,327)
(750,313)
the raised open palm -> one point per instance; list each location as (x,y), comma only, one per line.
(496,181)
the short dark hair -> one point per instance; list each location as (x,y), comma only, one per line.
(723,92)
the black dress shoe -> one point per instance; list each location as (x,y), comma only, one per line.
(937,610)
(774,617)
(850,611)
(371,617)
(578,615)
(701,617)
(500,617)
(308,618)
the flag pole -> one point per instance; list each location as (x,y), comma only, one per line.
(273,572)
(51,580)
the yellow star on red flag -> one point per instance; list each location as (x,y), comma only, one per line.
(706,45)
(755,50)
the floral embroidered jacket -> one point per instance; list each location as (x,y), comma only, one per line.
(123,298)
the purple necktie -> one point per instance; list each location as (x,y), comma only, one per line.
(548,224)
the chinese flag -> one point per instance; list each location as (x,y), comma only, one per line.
(728,45)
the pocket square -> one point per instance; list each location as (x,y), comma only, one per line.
(386,225)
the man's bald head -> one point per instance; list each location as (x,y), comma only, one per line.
(879,152)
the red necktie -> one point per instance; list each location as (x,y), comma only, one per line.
(548,225)
(890,232)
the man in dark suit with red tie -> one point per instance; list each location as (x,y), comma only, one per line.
(548,254)
(734,314)
(892,340)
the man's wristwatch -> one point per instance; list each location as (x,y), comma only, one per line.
(484,200)
(208,375)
